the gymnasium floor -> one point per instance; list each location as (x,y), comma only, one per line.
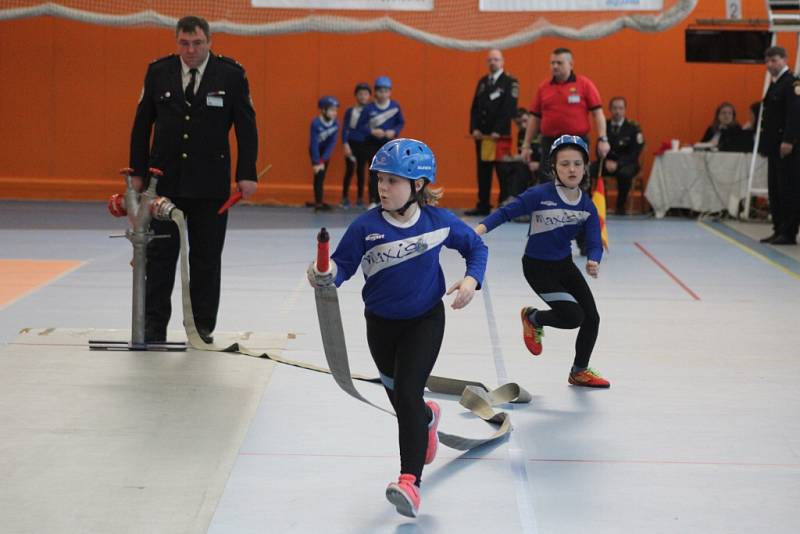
(698,434)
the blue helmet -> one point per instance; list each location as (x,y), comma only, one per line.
(570,140)
(327,102)
(383,82)
(407,158)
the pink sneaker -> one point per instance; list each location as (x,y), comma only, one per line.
(433,434)
(404,495)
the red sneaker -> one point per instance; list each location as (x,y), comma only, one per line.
(404,495)
(433,434)
(531,334)
(588,378)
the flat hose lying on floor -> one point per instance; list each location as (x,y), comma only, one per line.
(474,396)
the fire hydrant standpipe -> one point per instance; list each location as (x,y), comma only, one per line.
(141,208)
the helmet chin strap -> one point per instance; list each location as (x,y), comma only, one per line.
(407,205)
(411,200)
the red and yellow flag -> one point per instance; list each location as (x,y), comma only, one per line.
(599,199)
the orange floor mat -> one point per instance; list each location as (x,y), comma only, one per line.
(20,277)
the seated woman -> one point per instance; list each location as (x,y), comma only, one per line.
(725,134)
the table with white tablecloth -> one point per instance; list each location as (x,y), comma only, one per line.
(702,181)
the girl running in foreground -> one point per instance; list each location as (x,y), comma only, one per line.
(397,245)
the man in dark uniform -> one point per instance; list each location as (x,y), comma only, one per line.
(493,107)
(622,161)
(780,133)
(189,102)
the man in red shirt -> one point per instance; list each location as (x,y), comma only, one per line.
(562,105)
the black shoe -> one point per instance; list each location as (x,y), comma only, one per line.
(477,212)
(783,240)
(768,239)
(155,336)
(155,333)
(206,336)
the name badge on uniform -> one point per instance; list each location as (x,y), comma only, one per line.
(574,99)
(494,95)
(214,101)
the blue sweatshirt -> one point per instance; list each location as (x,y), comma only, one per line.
(387,118)
(400,262)
(350,131)
(554,222)
(323,139)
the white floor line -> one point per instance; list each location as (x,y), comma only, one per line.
(291,300)
(516,455)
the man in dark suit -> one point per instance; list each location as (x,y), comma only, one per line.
(622,162)
(190,101)
(493,107)
(780,133)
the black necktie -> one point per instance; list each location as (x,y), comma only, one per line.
(189,91)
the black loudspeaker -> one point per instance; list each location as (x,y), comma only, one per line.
(726,46)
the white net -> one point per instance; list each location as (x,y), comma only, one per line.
(456,24)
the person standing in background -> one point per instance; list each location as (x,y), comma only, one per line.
(780,132)
(356,153)
(188,104)
(562,106)
(381,121)
(493,107)
(322,140)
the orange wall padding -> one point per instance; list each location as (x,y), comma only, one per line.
(69,91)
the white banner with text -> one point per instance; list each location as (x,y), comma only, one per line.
(571,5)
(371,5)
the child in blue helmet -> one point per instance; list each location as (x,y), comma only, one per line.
(322,140)
(381,121)
(354,144)
(397,246)
(559,210)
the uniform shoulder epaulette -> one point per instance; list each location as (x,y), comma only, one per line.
(165,58)
(230,61)
(633,123)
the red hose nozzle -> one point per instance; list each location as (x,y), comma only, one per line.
(116,205)
(323,251)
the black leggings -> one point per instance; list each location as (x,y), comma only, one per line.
(362,160)
(319,180)
(562,286)
(405,351)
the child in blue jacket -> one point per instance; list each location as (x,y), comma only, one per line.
(323,139)
(397,246)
